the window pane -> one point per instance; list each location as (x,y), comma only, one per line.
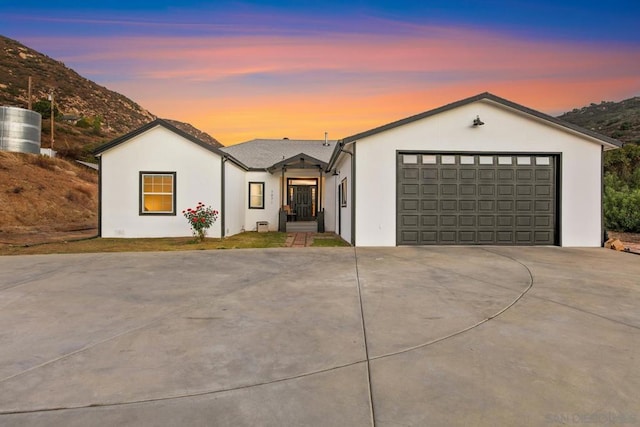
(544,161)
(158,203)
(410,159)
(448,160)
(504,160)
(467,160)
(486,160)
(428,160)
(524,160)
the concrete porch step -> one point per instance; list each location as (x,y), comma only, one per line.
(302,227)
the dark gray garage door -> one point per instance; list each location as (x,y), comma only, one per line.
(480,199)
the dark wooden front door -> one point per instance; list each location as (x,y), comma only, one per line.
(303,202)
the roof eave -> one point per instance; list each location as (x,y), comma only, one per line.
(602,139)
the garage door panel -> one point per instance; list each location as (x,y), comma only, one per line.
(448,237)
(524,205)
(524,221)
(448,221)
(468,175)
(467,237)
(429,237)
(505,190)
(410,237)
(505,175)
(429,221)
(504,205)
(544,175)
(486,221)
(467,220)
(467,205)
(449,173)
(486,237)
(409,221)
(429,174)
(448,205)
(486,175)
(486,189)
(410,174)
(448,189)
(476,199)
(486,205)
(429,205)
(429,189)
(410,189)
(504,221)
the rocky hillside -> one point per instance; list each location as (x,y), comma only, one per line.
(89,114)
(619,120)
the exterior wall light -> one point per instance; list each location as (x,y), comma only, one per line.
(477,121)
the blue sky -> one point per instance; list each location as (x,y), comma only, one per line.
(249,69)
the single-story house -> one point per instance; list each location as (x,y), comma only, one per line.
(483,170)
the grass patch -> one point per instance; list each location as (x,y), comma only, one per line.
(245,240)
(329,240)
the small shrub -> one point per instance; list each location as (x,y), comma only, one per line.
(17,190)
(200,219)
(620,205)
(44,162)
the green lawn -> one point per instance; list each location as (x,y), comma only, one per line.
(239,241)
(245,240)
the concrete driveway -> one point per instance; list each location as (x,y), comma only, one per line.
(327,337)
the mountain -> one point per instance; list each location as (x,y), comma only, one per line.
(619,120)
(89,114)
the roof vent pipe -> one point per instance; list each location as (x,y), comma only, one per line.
(326,142)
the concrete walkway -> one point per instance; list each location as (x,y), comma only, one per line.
(321,337)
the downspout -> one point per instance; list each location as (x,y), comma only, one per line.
(603,231)
(222,202)
(99,196)
(353,188)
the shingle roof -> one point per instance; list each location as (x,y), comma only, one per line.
(264,153)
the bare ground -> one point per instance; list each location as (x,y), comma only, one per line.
(44,199)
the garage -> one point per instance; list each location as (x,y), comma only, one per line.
(477,198)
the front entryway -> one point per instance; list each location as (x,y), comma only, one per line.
(303,198)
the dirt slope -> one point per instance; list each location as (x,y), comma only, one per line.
(40,196)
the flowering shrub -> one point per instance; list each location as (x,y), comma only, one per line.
(200,219)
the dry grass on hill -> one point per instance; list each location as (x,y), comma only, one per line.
(41,197)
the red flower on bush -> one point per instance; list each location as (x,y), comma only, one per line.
(200,219)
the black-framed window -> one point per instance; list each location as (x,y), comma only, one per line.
(157,193)
(343,193)
(256,195)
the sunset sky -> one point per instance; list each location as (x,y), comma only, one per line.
(259,69)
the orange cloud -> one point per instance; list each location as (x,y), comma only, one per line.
(239,87)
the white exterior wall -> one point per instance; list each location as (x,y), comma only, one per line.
(505,130)
(329,203)
(271,201)
(234,194)
(343,165)
(158,149)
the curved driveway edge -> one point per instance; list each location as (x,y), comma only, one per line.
(275,337)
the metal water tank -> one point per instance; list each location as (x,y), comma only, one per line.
(20,130)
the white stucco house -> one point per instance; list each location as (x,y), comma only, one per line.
(483,170)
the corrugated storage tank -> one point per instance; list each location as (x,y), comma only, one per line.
(20,130)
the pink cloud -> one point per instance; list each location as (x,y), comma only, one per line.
(241,86)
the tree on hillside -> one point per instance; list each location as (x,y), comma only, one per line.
(44,108)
